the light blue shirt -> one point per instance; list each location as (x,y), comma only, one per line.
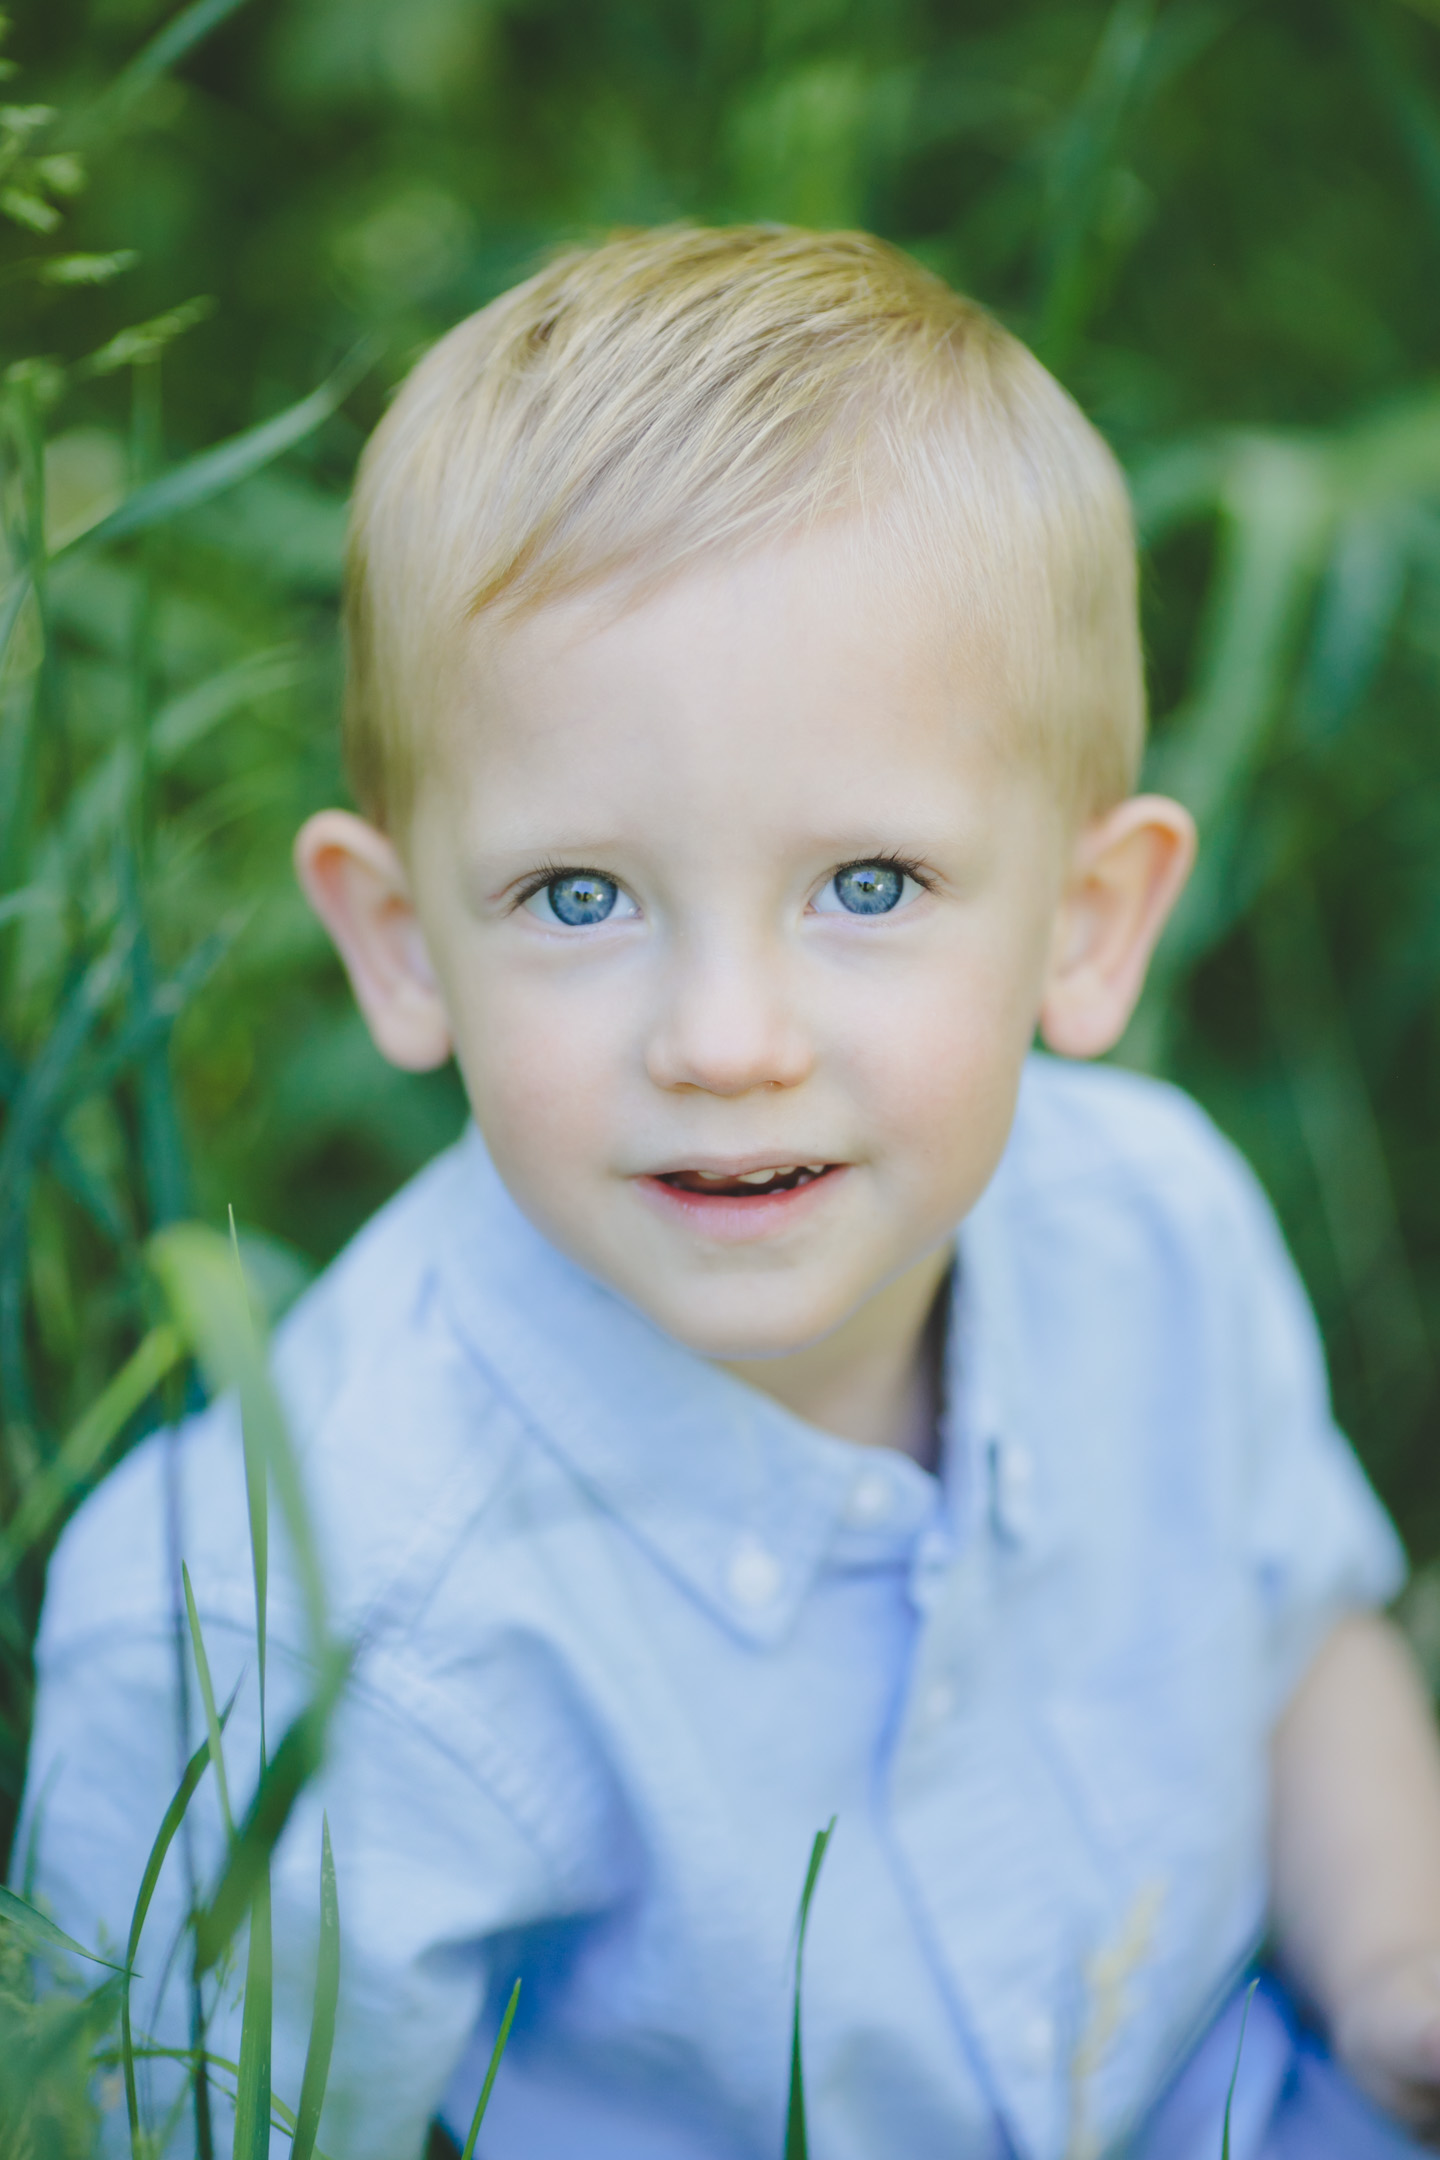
(629,1634)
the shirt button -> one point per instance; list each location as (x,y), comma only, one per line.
(871,1499)
(753,1576)
(937,1703)
(1037,2041)
(1014,1489)
(933,1553)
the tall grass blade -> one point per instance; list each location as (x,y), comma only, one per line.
(322,2017)
(163,52)
(1278,504)
(797,2145)
(84,1448)
(164,1838)
(281,2116)
(1399,91)
(1175,485)
(26,1134)
(29,2059)
(188,718)
(495,2055)
(1235,2072)
(252,2099)
(202,478)
(42,1934)
(12,607)
(145,1030)
(169,46)
(33,1834)
(293,1763)
(257,1499)
(88,1190)
(207,1697)
(1323,1069)
(197,1271)
(1080,162)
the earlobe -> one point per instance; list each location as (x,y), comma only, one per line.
(353,877)
(1129,869)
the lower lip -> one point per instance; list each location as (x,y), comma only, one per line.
(730,1221)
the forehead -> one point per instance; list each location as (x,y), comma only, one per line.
(816,666)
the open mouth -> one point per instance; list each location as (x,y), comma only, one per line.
(747,1184)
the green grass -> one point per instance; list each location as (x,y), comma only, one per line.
(1235,2072)
(224,231)
(492,2070)
(797,2139)
(60,2044)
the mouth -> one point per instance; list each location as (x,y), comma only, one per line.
(759,1184)
(742,1203)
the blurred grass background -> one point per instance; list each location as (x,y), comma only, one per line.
(1219,223)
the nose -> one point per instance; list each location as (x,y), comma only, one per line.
(728,1025)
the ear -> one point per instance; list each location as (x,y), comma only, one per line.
(1129,869)
(354,879)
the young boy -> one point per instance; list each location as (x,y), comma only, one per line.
(791,1399)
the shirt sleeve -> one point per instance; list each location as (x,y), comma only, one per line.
(1319,1540)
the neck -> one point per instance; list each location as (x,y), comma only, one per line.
(877,1379)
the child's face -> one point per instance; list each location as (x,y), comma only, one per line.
(740,928)
(707,768)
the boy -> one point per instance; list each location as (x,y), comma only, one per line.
(758,1417)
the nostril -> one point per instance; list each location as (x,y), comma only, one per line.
(722,1050)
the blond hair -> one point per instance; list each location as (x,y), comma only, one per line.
(683,392)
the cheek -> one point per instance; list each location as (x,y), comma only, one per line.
(938,1064)
(541,1065)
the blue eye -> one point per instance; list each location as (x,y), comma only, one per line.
(871,888)
(580,897)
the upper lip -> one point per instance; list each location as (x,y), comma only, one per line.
(741,1165)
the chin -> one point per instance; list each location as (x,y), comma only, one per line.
(735,1338)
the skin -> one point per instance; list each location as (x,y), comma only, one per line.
(1356,1862)
(718,751)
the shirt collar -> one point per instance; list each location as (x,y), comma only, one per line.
(736,1497)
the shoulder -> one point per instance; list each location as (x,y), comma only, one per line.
(400,1434)
(368,1305)
(1135,1230)
(1137,1244)
(1117,1144)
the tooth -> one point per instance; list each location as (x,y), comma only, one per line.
(759,1177)
(815,1168)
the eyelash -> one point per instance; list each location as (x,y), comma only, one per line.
(548,872)
(547,875)
(924,878)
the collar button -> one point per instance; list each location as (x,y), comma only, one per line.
(870,1500)
(937,1705)
(1036,2042)
(754,1576)
(1013,1489)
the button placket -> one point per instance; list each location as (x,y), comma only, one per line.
(963,1760)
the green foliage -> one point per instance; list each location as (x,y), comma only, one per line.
(164,1838)
(322,2017)
(57,2036)
(797,2141)
(46,2048)
(234,225)
(1235,2071)
(497,2054)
